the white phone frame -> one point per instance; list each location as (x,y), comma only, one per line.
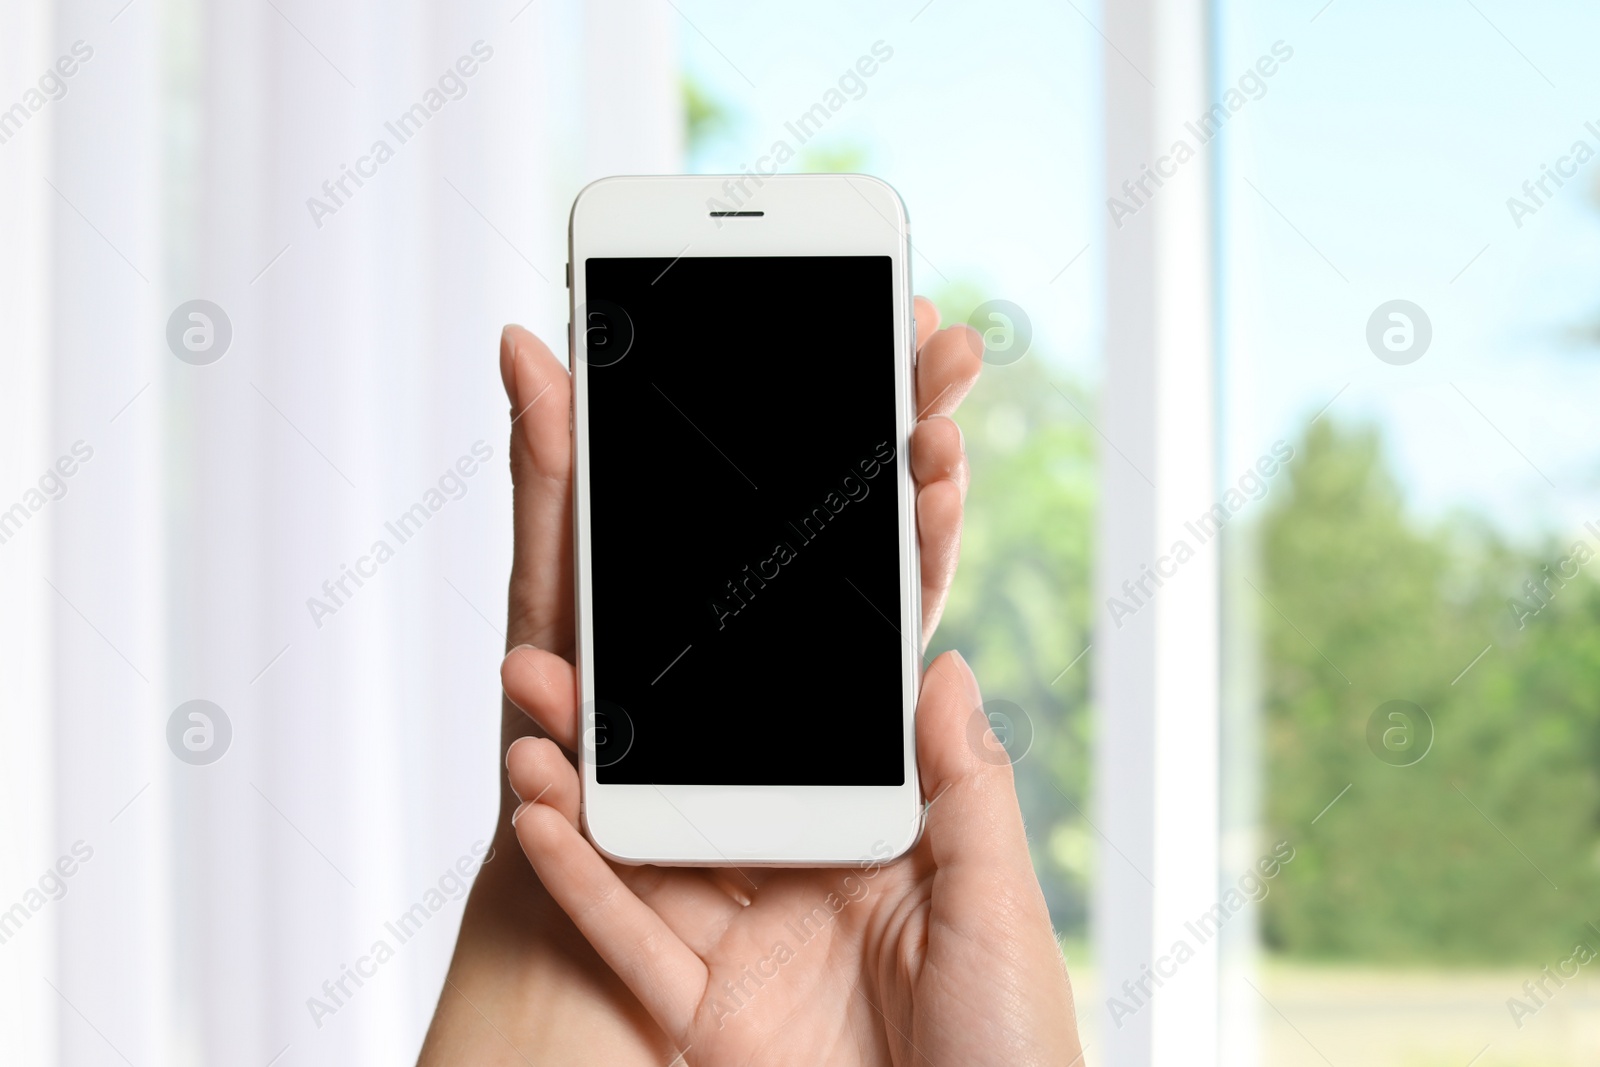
(690,825)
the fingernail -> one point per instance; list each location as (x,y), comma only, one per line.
(518,649)
(512,747)
(509,782)
(508,375)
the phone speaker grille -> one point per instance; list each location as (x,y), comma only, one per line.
(737,214)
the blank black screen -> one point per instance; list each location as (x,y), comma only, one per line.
(743,524)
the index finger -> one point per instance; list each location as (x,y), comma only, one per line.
(545,686)
(541,469)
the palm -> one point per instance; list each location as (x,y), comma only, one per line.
(847,967)
(786,975)
(945,955)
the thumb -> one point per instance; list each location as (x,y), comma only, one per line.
(985,893)
(973,820)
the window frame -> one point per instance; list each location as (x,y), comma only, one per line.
(1157,678)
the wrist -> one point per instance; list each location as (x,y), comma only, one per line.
(524,985)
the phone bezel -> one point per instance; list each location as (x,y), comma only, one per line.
(684,825)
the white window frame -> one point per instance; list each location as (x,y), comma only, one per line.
(1157,677)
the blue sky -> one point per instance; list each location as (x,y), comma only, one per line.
(986,122)
(1389,143)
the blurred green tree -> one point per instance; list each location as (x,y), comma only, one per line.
(1486,849)
(834,157)
(1020,606)
(705,118)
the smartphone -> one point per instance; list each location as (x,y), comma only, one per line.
(747,580)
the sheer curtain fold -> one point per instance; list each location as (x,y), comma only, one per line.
(222,543)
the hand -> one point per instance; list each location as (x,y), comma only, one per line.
(522,977)
(945,956)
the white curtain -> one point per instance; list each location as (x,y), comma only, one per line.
(201,547)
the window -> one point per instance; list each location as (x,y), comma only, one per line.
(1407,239)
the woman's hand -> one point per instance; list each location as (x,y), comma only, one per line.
(945,956)
(523,979)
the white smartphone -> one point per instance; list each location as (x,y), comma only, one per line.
(748,588)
